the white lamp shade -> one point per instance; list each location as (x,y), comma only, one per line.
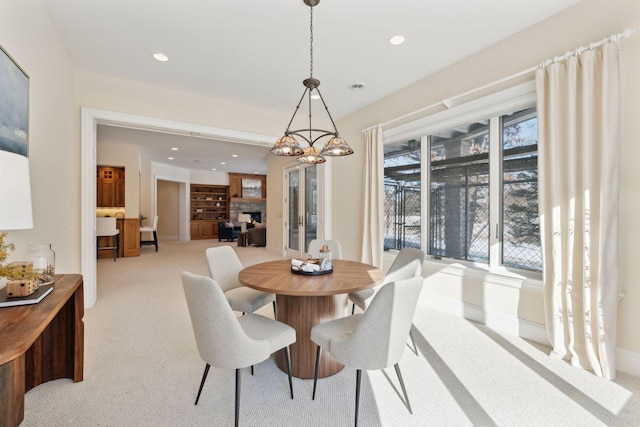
(15,192)
(244,218)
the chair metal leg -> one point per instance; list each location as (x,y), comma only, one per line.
(358,381)
(251,369)
(204,378)
(274,309)
(155,239)
(413,341)
(288,357)
(353,308)
(238,373)
(404,390)
(315,374)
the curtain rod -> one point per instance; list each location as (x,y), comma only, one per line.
(447,101)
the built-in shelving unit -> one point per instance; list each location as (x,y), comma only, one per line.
(209,206)
(209,202)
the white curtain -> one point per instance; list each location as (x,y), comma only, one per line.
(578,121)
(373,198)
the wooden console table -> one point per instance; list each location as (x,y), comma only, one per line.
(39,343)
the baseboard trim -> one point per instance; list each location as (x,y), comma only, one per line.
(627,361)
(498,321)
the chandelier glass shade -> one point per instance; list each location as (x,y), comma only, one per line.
(288,145)
(336,146)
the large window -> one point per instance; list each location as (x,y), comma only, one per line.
(520,223)
(402,202)
(482,197)
(459,192)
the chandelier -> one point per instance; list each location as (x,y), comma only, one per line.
(287,145)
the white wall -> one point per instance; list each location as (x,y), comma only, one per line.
(117,95)
(152,172)
(127,156)
(275,195)
(27,35)
(168,210)
(209,177)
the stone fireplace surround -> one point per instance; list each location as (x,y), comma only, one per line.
(237,208)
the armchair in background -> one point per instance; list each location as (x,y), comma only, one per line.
(227,231)
(257,235)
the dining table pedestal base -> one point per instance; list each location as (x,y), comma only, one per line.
(302,313)
(306,300)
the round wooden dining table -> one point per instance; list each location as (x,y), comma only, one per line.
(303,301)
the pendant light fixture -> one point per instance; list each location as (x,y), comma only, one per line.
(287,145)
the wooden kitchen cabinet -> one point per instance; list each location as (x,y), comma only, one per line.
(131,241)
(110,187)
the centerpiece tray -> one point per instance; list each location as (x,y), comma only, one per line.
(316,261)
(311,273)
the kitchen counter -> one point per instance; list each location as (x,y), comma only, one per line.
(129,238)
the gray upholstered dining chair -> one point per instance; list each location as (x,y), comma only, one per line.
(408,263)
(374,339)
(224,266)
(316,244)
(397,271)
(231,342)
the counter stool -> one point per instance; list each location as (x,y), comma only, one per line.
(153,229)
(106,227)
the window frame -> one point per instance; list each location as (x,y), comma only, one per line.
(492,106)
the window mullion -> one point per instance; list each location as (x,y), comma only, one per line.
(425,168)
(495,154)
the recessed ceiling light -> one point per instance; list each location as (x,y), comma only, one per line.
(214,169)
(234,155)
(160,57)
(223,163)
(174,148)
(170,158)
(397,40)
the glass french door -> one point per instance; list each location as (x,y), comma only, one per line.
(301,205)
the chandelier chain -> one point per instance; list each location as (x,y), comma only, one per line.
(311,41)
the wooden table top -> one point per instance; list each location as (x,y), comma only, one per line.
(276,277)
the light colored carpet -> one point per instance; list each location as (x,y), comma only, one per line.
(142,369)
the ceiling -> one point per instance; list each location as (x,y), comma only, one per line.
(257,52)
